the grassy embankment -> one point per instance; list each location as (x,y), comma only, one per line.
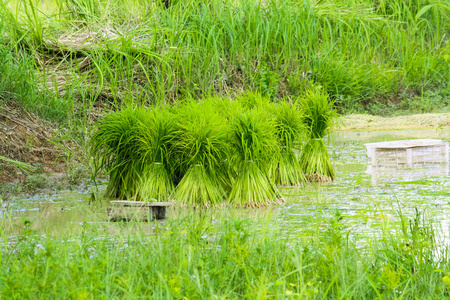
(363,53)
(200,257)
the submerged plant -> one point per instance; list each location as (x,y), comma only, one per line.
(318,116)
(201,148)
(288,129)
(253,143)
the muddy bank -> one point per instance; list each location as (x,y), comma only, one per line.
(371,123)
(26,138)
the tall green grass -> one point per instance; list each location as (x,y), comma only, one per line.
(18,82)
(360,52)
(204,257)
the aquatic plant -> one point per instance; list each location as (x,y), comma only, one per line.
(289,129)
(318,115)
(201,149)
(253,144)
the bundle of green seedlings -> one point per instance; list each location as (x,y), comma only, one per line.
(156,137)
(253,149)
(289,130)
(318,116)
(133,146)
(253,144)
(201,150)
(213,152)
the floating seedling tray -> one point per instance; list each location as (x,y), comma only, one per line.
(122,210)
(408,159)
(408,154)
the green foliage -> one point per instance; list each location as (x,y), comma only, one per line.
(318,117)
(202,256)
(20,165)
(267,80)
(18,83)
(201,150)
(253,145)
(360,52)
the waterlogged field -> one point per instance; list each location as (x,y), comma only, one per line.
(347,239)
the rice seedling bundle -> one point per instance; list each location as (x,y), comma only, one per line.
(318,116)
(114,147)
(225,107)
(289,129)
(216,151)
(253,144)
(253,100)
(201,148)
(156,133)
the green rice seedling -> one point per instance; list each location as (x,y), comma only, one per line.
(227,108)
(156,132)
(253,100)
(115,148)
(289,130)
(315,161)
(201,149)
(253,144)
(318,116)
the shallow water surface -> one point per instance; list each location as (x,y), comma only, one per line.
(366,208)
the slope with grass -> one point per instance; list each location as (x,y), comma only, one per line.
(361,52)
